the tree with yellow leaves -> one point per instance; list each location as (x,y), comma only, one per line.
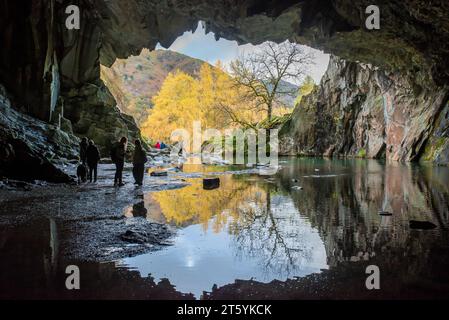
(175,106)
(211,98)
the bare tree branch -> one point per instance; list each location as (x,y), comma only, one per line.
(262,72)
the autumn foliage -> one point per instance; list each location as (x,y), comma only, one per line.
(211,97)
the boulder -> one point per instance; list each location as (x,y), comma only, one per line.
(31,149)
(211,183)
(159,174)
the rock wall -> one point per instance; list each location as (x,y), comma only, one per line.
(361,111)
(93,113)
(31,149)
(51,71)
(85,99)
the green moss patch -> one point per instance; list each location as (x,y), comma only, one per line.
(433,147)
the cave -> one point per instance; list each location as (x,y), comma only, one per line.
(384,96)
(53,74)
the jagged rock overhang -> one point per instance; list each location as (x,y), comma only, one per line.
(413,38)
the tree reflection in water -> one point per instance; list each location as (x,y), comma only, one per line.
(276,235)
(263,221)
(272,222)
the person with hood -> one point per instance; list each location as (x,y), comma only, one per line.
(92,157)
(139,160)
(118,153)
(83,149)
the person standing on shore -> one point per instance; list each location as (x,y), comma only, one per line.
(93,157)
(118,153)
(83,149)
(139,160)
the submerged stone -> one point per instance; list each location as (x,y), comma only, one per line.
(159,174)
(423,225)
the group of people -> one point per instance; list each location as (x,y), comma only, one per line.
(90,156)
(160,145)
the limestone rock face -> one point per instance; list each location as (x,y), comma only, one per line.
(31,149)
(94,114)
(359,110)
(31,51)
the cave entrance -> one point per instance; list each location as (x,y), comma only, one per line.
(168,88)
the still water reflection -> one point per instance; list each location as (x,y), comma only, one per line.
(314,214)
(313,227)
(245,229)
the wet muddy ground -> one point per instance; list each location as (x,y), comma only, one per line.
(89,217)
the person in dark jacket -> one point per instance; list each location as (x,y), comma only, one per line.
(83,149)
(119,153)
(92,157)
(139,160)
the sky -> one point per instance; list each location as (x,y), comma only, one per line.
(204,46)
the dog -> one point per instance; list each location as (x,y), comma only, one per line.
(81,173)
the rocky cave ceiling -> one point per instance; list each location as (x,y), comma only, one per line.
(413,39)
(414,34)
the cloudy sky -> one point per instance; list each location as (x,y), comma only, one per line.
(203,46)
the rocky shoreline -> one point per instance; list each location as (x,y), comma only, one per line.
(89,218)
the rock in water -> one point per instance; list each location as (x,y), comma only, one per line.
(211,183)
(159,174)
(423,225)
(133,236)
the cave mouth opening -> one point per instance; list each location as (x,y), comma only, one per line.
(409,121)
(140,83)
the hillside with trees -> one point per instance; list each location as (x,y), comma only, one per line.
(136,81)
